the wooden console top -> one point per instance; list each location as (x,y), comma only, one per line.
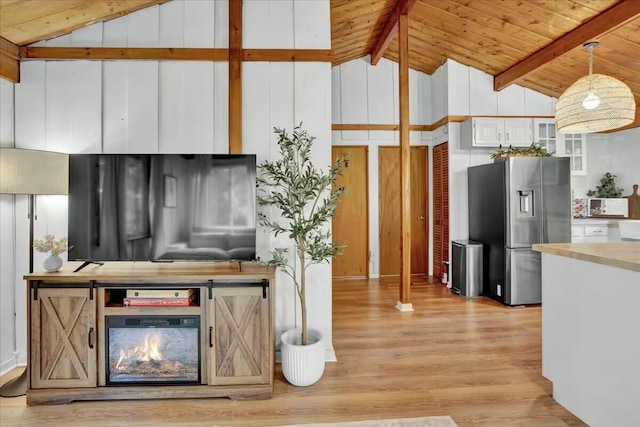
(158,272)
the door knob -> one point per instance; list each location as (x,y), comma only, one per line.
(421,218)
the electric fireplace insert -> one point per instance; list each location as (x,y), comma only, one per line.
(150,350)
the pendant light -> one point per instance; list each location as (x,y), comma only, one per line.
(595,103)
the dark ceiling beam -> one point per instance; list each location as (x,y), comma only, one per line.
(390,29)
(612,18)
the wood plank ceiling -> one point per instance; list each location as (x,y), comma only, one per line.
(490,35)
(27,21)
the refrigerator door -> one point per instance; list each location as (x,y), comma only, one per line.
(523,202)
(487,220)
(556,200)
(523,284)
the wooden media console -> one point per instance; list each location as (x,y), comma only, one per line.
(219,345)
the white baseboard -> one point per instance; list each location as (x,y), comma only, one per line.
(9,364)
(329,356)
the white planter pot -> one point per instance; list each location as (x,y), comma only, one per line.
(52,263)
(302,365)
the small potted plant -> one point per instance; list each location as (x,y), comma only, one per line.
(54,247)
(303,195)
(607,188)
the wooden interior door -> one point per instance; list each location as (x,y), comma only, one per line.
(419,210)
(350,225)
(389,210)
(63,353)
(440,207)
(238,336)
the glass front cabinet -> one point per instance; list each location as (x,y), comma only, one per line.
(569,145)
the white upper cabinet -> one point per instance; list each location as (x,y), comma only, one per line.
(544,133)
(573,146)
(494,132)
(518,132)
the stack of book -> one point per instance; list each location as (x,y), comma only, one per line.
(160,297)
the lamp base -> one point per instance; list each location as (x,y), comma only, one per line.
(15,387)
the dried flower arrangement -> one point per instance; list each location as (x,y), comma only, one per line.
(50,244)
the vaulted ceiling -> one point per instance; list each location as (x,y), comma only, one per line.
(27,21)
(490,35)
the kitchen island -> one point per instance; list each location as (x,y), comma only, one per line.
(590,336)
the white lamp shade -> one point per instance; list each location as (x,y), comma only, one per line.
(595,103)
(33,172)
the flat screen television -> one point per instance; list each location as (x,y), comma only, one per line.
(165,207)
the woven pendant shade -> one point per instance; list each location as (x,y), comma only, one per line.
(595,103)
(616,108)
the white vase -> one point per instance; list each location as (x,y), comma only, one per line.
(302,365)
(52,263)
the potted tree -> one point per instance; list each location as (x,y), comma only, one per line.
(303,195)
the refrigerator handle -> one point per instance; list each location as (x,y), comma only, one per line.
(526,202)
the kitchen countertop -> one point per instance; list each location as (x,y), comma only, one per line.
(624,255)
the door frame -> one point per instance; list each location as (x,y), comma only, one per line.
(429,150)
(367,243)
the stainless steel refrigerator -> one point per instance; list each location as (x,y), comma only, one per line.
(512,205)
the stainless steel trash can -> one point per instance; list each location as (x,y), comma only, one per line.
(466,268)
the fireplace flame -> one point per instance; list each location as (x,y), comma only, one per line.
(148,351)
(151,348)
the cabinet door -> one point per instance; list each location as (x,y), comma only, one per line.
(488,132)
(544,133)
(595,239)
(239,339)
(574,146)
(518,132)
(63,348)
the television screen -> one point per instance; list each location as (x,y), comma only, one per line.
(197,207)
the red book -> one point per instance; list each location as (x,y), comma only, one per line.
(158,302)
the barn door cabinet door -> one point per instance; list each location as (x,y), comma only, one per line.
(63,325)
(239,338)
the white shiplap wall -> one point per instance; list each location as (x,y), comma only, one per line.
(285,94)
(181,106)
(366,94)
(8,348)
(470,92)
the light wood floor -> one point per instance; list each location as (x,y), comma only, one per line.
(472,359)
